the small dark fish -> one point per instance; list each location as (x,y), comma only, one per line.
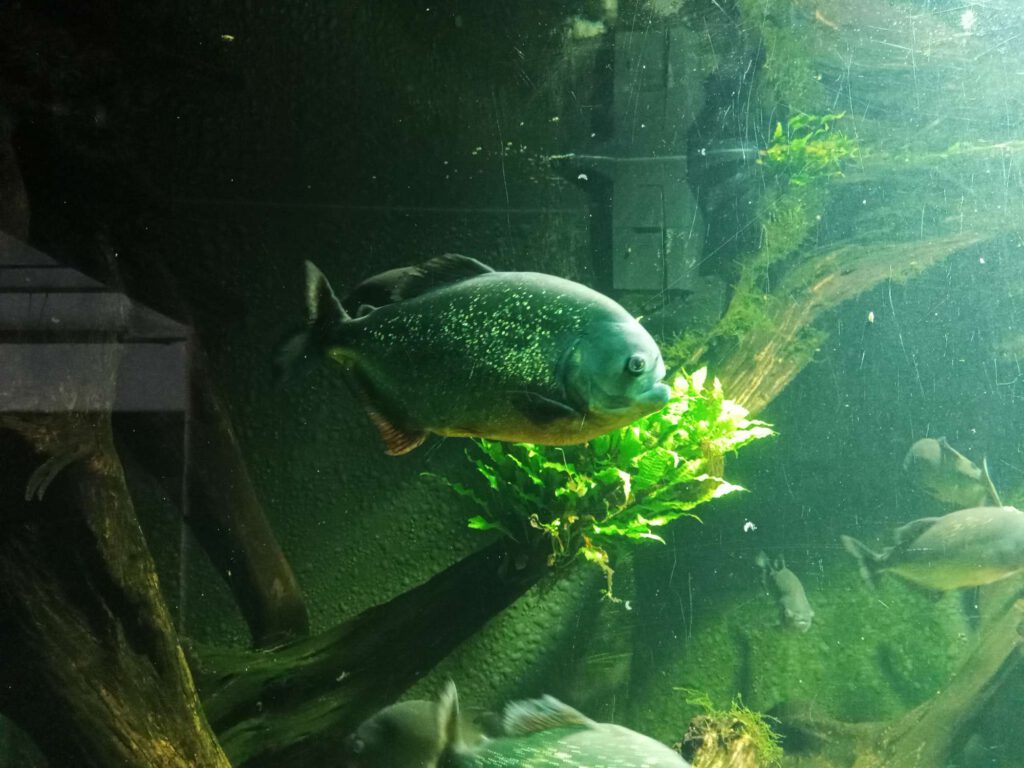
(463,351)
(967,548)
(545,733)
(794,607)
(947,475)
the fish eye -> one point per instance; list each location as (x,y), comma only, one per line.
(356,745)
(636,364)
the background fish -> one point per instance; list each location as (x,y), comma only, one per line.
(545,733)
(463,350)
(944,473)
(404,735)
(794,607)
(966,548)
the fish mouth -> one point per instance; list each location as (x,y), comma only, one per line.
(652,399)
(656,397)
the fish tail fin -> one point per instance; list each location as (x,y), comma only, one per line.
(989,484)
(302,350)
(448,723)
(868,560)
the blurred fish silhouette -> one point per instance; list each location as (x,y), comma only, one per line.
(536,732)
(947,475)
(966,548)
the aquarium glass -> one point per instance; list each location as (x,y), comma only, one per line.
(371,370)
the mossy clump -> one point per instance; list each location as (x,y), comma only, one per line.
(808,148)
(620,487)
(745,734)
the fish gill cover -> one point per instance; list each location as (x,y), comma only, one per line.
(619,487)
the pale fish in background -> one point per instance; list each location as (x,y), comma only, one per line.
(945,474)
(794,608)
(967,548)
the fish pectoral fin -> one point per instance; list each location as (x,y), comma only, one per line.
(443,270)
(535,715)
(907,533)
(543,410)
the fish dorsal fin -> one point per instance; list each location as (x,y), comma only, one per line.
(448,723)
(443,270)
(534,715)
(961,462)
(992,492)
(322,306)
(907,533)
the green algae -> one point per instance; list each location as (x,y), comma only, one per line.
(621,487)
(767,744)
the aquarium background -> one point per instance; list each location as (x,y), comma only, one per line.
(214,147)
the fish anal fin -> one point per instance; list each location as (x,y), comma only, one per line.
(907,533)
(443,270)
(397,441)
(543,410)
(536,715)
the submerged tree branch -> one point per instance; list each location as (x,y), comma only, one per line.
(93,670)
(762,363)
(295,705)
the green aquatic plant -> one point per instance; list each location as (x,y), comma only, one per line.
(620,487)
(738,718)
(808,148)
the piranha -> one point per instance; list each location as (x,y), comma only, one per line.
(461,350)
(535,732)
(794,607)
(947,475)
(967,548)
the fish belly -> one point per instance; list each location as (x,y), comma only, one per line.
(605,746)
(954,575)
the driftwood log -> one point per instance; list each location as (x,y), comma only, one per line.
(925,736)
(295,705)
(92,667)
(221,508)
(763,363)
